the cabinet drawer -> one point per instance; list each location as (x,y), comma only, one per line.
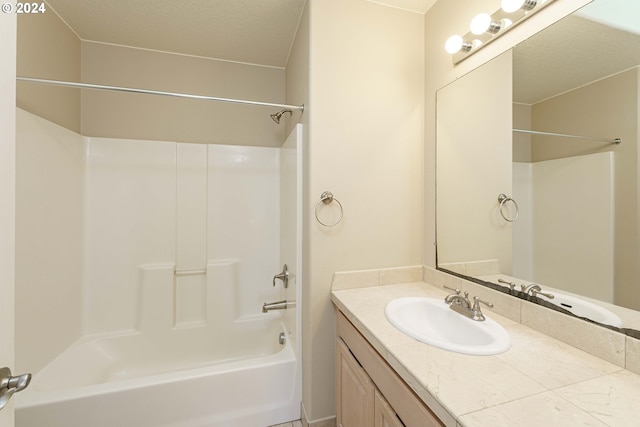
(407,405)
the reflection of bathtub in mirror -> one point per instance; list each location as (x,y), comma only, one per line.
(583,308)
(580,306)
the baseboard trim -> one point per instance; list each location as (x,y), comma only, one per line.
(324,422)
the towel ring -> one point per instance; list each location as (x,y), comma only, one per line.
(326,198)
(503,199)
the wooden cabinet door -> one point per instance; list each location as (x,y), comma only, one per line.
(355,392)
(357,359)
(383,413)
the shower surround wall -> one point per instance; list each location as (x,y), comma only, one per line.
(154,206)
(552,211)
(49,235)
(139,209)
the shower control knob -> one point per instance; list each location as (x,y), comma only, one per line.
(10,385)
(284,276)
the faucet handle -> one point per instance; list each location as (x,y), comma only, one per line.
(512,285)
(457,291)
(543,293)
(477,301)
(284,276)
(477,313)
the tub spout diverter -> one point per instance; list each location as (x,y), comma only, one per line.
(278,305)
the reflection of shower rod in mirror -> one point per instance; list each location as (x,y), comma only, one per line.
(564,135)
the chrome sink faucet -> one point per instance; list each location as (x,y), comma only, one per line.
(457,299)
(462,304)
(535,290)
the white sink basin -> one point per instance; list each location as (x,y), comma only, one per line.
(584,308)
(431,321)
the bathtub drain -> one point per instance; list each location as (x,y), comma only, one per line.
(281,338)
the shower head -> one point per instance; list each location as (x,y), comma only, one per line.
(277,116)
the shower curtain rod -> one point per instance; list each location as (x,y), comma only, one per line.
(612,141)
(155,92)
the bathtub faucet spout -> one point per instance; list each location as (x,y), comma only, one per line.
(278,305)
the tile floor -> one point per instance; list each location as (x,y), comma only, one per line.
(291,424)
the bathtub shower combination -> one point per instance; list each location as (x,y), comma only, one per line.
(239,377)
(223,373)
(180,246)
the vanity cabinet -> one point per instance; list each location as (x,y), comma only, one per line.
(383,413)
(368,391)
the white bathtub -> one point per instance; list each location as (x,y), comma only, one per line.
(190,377)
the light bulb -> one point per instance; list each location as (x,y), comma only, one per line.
(453,44)
(511,6)
(480,23)
(483,23)
(456,44)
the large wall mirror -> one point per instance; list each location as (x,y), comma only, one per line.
(535,196)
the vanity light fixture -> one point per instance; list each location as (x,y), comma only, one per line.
(484,27)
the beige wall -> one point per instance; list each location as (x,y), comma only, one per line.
(7,196)
(48,49)
(365,143)
(136,116)
(521,141)
(607,108)
(297,76)
(452,17)
(470,227)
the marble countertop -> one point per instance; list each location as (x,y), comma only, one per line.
(540,381)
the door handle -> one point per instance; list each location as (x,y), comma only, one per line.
(10,385)
(284,276)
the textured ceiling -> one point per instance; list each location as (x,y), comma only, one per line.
(570,54)
(621,14)
(251,31)
(418,6)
